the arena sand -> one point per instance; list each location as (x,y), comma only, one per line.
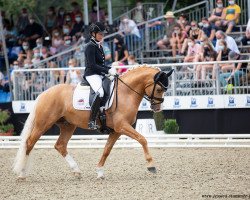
(183,173)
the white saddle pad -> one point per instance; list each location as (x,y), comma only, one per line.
(81,97)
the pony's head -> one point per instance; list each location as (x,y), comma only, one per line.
(155,91)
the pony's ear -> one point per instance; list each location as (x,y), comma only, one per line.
(170,72)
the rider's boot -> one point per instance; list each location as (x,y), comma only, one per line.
(95,108)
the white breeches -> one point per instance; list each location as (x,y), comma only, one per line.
(95,82)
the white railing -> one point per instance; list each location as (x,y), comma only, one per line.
(178,86)
(157,140)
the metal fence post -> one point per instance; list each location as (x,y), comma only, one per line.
(217,72)
(147,36)
(174,81)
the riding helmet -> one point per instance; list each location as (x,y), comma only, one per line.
(97,27)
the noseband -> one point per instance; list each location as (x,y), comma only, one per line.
(151,98)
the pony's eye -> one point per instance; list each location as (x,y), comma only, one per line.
(159,90)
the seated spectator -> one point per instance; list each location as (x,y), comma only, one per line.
(78,27)
(57,40)
(39,45)
(183,22)
(50,19)
(24,50)
(238,70)
(60,17)
(2,81)
(32,31)
(68,21)
(22,21)
(67,44)
(195,33)
(37,56)
(177,39)
(118,66)
(73,76)
(217,12)
(128,27)
(121,51)
(45,53)
(169,24)
(66,29)
(208,54)
(138,14)
(246,39)
(107,53)
(231,15)
(76,11)
(10,33)
(208,29)
(223,52)
(231,44)
(194,49)
(93,13)
(56,76)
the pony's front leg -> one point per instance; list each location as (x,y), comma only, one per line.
(128,130)
(108,147)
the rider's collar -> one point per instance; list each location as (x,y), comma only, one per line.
(96,42)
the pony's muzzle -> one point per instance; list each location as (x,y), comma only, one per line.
(156,107)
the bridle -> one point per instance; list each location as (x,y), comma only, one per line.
(151,98)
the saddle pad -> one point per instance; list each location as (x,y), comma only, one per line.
(81,97)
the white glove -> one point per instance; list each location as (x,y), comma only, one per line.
(112,71)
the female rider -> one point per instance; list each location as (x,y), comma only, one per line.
(96,68)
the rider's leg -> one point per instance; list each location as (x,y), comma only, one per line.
(95,82)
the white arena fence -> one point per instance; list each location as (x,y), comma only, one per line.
(29,83)
(154,140)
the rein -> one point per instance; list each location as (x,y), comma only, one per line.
(150,98)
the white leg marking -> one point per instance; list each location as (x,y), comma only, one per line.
(72,163)
(100,173)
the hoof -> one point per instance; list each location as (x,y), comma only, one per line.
(152,169)
(21,178)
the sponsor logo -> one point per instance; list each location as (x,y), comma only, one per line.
(231,101)
(144,104)
(193,102)
(248,101)
(22,107)
(210,102)
(80,102)
(176,103)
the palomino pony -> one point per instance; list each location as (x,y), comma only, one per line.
(54,106)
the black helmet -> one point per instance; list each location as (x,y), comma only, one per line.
(97,27)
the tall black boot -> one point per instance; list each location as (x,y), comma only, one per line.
(95,108)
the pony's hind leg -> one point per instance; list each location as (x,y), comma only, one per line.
(108,147)
(66,131)
(128,130)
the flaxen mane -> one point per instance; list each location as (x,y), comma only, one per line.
(139,66)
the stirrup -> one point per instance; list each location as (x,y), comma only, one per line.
(92,125)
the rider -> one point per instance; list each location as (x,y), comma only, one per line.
(96,68)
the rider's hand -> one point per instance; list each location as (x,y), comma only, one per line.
(112,71)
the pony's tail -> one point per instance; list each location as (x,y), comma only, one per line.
(21,161)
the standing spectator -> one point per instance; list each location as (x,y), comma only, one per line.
(217,12)
(56,41)
(22,21)
(33,31)
(238,70)
(231,44)
(231,15)
(121,51)
(60,17)
(169,28)
(93,13)
(138,14)
(50,19)
(73,76)
(177,39)
(78,27)
(10,33)
(131,60)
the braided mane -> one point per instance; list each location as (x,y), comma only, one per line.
(139,66)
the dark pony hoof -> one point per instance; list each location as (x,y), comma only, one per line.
(152,169)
